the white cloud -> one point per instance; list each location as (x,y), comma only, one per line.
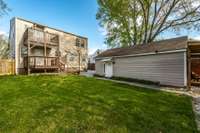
(3,33)
(92,50)
(195,4)
(102,31)
(196,38)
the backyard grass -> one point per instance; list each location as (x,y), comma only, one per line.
(56,104)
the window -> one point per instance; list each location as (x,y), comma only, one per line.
(71,58)
(78,41)
(83,44)
(24,50)
(83,59)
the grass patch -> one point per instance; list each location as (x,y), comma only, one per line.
(59,104)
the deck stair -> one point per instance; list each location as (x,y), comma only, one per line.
(61,66)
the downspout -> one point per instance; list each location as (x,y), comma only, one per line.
(188,67)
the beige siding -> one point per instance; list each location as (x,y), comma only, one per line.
(20,28)
(99,67)
(168,69)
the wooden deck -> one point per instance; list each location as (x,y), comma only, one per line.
(45,41)
(41,63)
(35,36)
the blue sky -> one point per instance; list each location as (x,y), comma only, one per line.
(76,16)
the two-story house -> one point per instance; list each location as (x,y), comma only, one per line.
(38,48)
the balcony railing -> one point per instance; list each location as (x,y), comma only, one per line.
(40,36)
(41,62)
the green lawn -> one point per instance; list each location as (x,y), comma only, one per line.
(59,104)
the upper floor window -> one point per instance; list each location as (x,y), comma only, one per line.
(80,43)
(83,44)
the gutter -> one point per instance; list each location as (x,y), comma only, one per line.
(144,54)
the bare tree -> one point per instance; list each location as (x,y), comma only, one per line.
(4,48)
(130,22)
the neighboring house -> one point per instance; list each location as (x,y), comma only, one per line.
(39,48)
(167,62)
(91,59)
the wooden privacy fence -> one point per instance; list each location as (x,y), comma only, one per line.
(7,67)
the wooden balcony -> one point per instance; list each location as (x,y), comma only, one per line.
(41,62)
(39,37)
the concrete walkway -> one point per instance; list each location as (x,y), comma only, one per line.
(132,83)
(89,73)
(183,91)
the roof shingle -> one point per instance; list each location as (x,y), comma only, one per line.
(159,46)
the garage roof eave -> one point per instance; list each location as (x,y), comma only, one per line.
(107,60)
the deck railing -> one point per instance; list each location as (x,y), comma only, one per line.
(41,62)
(40,36)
